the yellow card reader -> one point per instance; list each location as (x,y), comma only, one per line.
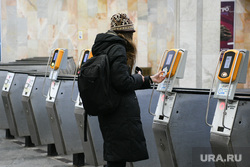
(230,59)
(57,58)
(87,54)
(171,61)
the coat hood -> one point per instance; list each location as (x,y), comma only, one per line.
(104,40)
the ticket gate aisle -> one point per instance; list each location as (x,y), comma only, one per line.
(93,146)
(230,129)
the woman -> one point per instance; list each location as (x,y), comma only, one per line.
(122,131)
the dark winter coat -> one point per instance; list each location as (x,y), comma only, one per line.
(122,131)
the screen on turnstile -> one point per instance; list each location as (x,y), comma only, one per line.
(228,61)
(86,56)
(168,60)
(54,58)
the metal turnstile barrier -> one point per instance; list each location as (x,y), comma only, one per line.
(173,65)
(230,129)
(34,104)
(3,118)
(29,65)
(12,100)
(60,111)
(93,146)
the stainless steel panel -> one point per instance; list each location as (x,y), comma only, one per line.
(56,128)
(37,117)
(187,129)
(143,97)
(3,118)
(221,146)
(30,121)
(9,113)
(164,145)
(237,144)
(40,113)
(63,119)
(15,94)
(13,106)
(93,147)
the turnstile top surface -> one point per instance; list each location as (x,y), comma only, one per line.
(241,94)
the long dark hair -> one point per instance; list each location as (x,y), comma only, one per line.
(130,48)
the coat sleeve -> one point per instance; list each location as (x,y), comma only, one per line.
(146,83)
(121,80)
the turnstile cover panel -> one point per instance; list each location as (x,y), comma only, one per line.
(3,119)
(15,94)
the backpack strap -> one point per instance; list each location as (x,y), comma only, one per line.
(85,126)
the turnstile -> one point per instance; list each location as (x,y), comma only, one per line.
(23,67)
(173,65)
(93,146)
(12,100)
(3,119)
(233,150)
(184,133)
(60,109)
(34,104)
(230,129)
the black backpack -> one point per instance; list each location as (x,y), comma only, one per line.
(96,92)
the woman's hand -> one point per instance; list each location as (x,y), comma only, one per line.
(158,77)
(139,72)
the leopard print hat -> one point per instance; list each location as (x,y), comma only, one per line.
(121,22)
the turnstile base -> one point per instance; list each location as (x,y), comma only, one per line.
(51,150)
(79,159)
(8,134)
(28,142)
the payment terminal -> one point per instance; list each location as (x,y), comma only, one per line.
(86,54)
(169,62)
(233,69)
(231,59)
(58,61)
(173,64)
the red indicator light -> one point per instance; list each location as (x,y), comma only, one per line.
(162,97)
(222,105)
(53,84)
